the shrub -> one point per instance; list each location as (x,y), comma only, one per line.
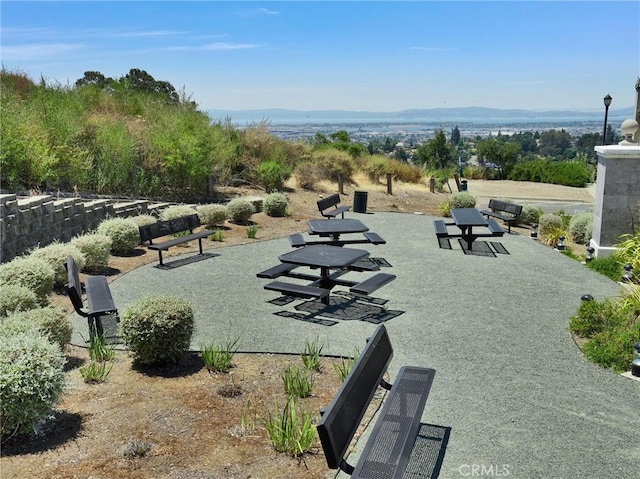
(55,255)
(333,163)
(592,317)
(96,250)
(52,323)
(581,227)
(31,380)
(144,220)
(157,329)
(462,200)
(308,174)
(275,204)
(530,214)
(610,266)
(177,211)
(273,175)
(549,223)
(612,349)
(123,232)
(240,210)
(33,273)
(16,298)
(212,215)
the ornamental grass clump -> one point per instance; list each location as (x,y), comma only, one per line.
(52,322)
(55,255)
(96,249)
(124,235)
(581,227)
(16,298)
(240,210)
(157,329)
(550,228)
(290,430)
(212,215)
(31,381)
(275,204)
(33,273)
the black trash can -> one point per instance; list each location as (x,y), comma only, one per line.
(463,185)
(360,202)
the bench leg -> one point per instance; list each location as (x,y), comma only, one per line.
(160,256)
(200,243)
(95,327)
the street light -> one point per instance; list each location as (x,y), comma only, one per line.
(607,103)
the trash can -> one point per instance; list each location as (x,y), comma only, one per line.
(463,185)
(360,202)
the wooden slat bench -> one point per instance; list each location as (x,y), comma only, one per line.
(387,451)
(171,227)
(372,284)
(297,290)
(329,207)
(99,298)
(497,208)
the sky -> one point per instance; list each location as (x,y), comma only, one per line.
(380,56)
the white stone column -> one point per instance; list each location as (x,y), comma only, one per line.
(617,203)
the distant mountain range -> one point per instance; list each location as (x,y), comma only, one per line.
(466,113)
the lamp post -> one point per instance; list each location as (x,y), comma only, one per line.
(607,103)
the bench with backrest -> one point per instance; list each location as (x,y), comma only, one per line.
(99,299)
(388,448)
(183,226)
(330,207)
(507,212)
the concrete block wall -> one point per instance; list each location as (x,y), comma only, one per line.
(26,223)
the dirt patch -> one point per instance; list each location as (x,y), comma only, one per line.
(182,422)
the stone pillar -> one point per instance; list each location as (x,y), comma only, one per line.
(617,205)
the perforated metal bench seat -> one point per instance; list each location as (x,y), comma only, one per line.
(370,285)
(440,228)
(297,290)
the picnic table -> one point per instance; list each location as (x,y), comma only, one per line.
(333,229)
(466,219)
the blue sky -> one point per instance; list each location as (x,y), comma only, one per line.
(370,56)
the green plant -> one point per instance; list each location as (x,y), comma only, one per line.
(212,215)
(33,273)
(275,204)
(273,175)
(136,448)
(593,317)
(530,215)
(123,233)
(52,322)
(610,266)
(628,251)
(157,328)
(217,235)
(100,350)
(612,349)
(311,355)
(31,381)
(240,210)
(55,255)
(549,222)
(345,364)
(462,200)
(297,381)
(219,357)
(95,371)
(252,231)
(176,211)
(445,209)
(96,249)
(248,420)
(289,430)
(144,219)
(581,227)
(16,298)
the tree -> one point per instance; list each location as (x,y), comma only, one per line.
(340,136)
(455,136)
(140,80)
(503,154)
(436,153)
(554,143)
(94,78)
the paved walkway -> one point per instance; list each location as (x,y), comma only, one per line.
(516,393)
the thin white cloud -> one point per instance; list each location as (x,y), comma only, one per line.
(266,11)
(156,33)
(36,51)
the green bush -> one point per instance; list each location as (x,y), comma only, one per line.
(212,215)
(16,298)
(593,317)
(33,273)
(610,266)
(462,200)
(273,175)
(143,220)
(333,163)
(123,232)
(157,329)
(240,210)
(612,349)
(52,323)
(96,249)
(275,204)
(569,173)
(31,380)
(549,224)
(530,215)
(55,255)
(177,211)
(581,227)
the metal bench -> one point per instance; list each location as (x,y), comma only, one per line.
(329,207)
(498,207)
(277,271)
(374,238)
(171,227)
(297,240)
(387,451)
(99,299)
(370,285)
(495,228)
(297,290)
(440,228)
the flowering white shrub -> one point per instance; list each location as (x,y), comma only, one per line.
(123,232)
(56,255)
(96,249)
(16,298)
(33,273)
